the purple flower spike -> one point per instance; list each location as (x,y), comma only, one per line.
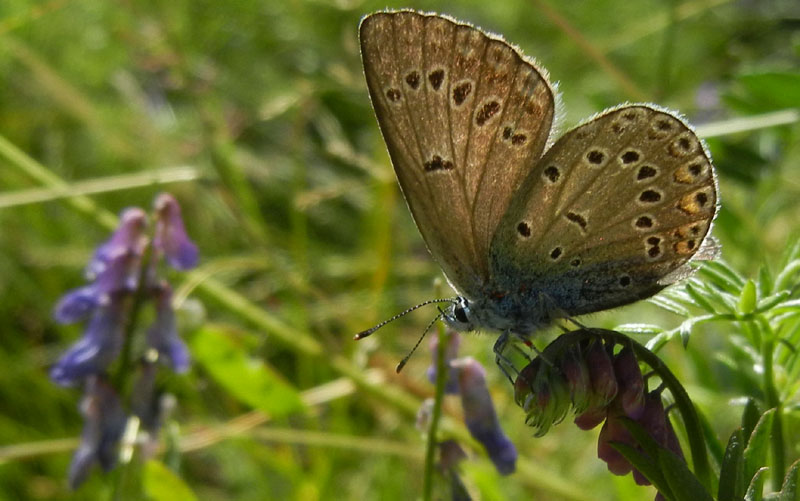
(451,352)
(95,351)
(129,237)
(77,304)
(170,235)
(163,334)
(480,416)
(104,423)
(601,372)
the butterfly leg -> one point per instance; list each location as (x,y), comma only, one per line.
(500,359)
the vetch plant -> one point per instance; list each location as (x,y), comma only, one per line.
(115,362)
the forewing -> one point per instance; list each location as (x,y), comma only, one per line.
(464,116)
(611,214)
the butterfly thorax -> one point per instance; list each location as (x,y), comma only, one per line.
(501,312)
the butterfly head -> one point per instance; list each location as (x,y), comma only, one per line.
(459,315)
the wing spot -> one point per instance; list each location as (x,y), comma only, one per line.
(595,157)
(643,222)
(653,246)
(552,173)
(436,78)
(693,203)
(437,163)
(645,172)
(575,262)
(650,196)
(685,247)
(486,112)
(556,253)
(524,229)
(695,229)
(624,280)
(630,157)
(518,139)
(661,128)
(577,219)
(393,95)
(684,145)
(507,132)
(412,79)
(461,92)
(691,172)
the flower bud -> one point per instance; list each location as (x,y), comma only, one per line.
(451,352)
(631,383)
(170,234)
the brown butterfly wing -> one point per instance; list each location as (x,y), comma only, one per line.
(611,214)
(464,118)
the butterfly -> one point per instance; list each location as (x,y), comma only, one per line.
(527,229)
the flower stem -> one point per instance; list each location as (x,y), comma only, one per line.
(441,380)
(773,401)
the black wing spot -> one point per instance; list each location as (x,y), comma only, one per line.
(624,280)
(552,173)
(437,163)
(523,229)
(701,199)
(695,169)
(650,196)
(575,262)
(555,253)
(654,251)
(695,229)
(518,139)
(595,157)
(393,95)
(577,219)
(644,222)
(630,157)
(507,132)
(653,241)
(436,78)
(461,92)
(646,171)
(488,110)
(412,79)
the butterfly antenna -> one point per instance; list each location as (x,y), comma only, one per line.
(363,334)
(405,359)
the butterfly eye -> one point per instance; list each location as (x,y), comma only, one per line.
(460,314)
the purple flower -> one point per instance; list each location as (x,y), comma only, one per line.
(614,431)
(451,352)
(480,416)
(170,235)
(94,352)
(163,334)
(631,383)
(128,238)
(77,304)
(104,423)
(601,371)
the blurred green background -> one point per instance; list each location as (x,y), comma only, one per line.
(255,115)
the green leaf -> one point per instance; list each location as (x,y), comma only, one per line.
(646,467)
(723,276)
(755,454)
(750,417)
(247,379)
(682,482)
(699,299)
(641,329)
(769,302)
(731,475)
(765,280)
(162,484)
(670,305)
(756,488)
(747,299)
(785,279)
(789,490)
